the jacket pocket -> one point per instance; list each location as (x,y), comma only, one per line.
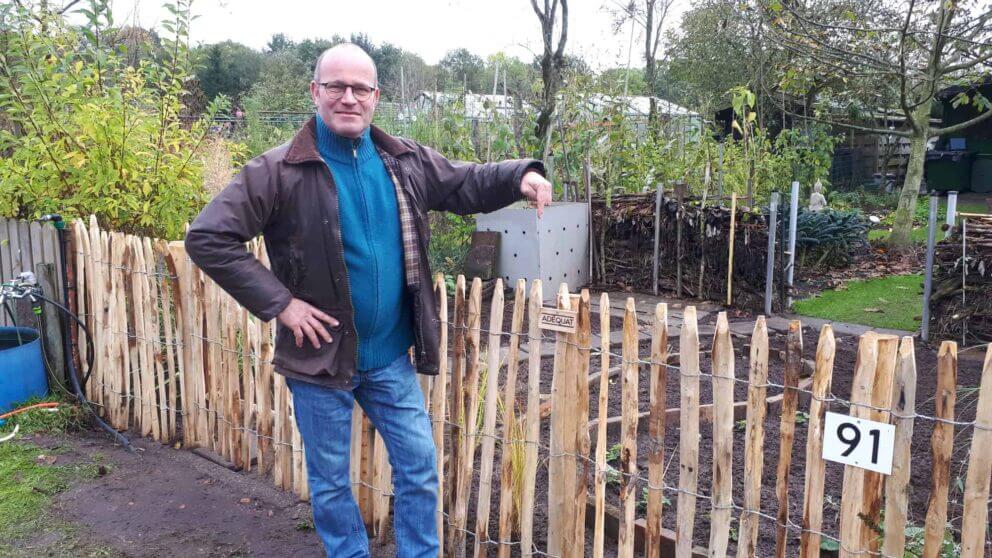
(307,360)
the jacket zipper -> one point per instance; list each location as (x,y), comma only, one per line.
(344,265)
(375,256)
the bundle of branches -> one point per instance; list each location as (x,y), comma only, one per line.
(961,303)
(693,248)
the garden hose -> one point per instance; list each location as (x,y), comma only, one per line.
(45,405)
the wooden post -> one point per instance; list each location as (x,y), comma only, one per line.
(561,466)
(897,485)
(510,445)
(382,479)
(265,386)
(533,419)
(689,435)
(469,436)
(787,431)
(723,436)
(974,526)
(628,453)
(809,542)
(580,425)
(942,444)
(755,436)
(656,425)
(457,407)
(850,523)
(881,398)
(439,399)
(482,509)
(604,390)
(730,251)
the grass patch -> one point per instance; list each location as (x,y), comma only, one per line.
(917,236)
(66,418)
(889,302)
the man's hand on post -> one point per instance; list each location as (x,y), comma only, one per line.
(537,189)
(303,319)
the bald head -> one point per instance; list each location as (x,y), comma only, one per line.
(346,53)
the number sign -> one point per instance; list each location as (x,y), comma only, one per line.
(859,442)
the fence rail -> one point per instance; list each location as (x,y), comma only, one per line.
(178,358)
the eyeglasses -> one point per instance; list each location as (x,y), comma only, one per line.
(336,90)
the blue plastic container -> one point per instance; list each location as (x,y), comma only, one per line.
(22,368)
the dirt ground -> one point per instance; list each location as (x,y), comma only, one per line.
(166,502)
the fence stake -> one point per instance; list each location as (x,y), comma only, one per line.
(755,436)
(928,277)
(628,453)
(439,399)
(656,428)
(793,225)
(952,211)
(723,435)
(533,418)
(770,263)
(689,435)
(561,467)
(881,398)
(469,432)
(489,420)
(809,544)
(604,390)
(903,408)
(457,407)
(975,526)
(942,444)
(657,234)
(853,488)
(730,256)
(787,431)
(509,448)
(580,424)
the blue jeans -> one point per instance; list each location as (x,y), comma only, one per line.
(391,398)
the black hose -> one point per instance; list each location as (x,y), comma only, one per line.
(13,322)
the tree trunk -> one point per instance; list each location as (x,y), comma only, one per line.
(900,240)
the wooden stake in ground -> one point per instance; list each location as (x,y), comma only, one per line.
(942,444)
(533,419)
(881,398)
(787,431)
(974,526)
(489,421)
(439,399)
(561,461)
(511,442)
(470,432)
(580,426)
(850,505)
(809,542)
(689,435)
(755,440)
(723,436)
(457,431)
(897,485)
(604,390)
(656,424)
(628,452)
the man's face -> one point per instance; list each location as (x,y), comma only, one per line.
(349,75)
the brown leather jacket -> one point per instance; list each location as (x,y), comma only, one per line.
(288,195)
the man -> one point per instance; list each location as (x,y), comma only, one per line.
(343,209)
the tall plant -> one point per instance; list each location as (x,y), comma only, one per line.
(88,134)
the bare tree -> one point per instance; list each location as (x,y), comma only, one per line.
(552,60)
(905,51)
(650,15)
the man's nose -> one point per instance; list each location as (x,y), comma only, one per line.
(349,96)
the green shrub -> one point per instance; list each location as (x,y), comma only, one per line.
(830,237)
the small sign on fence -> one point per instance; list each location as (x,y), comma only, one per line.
(558,320)
(863,443)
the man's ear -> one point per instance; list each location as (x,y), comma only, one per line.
(314,91)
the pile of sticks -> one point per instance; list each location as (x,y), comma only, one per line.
(961,304)
(694,239)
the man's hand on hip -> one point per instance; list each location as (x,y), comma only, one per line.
(304,319)
(537,189)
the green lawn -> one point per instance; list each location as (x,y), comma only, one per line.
(919,234)
(889,302)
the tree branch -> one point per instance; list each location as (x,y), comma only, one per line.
(961,126)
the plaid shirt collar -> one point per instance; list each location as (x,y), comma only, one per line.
(408,227)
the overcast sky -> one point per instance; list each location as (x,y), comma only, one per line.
(429,28)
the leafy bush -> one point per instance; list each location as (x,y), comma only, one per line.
(87,133)
(829,237)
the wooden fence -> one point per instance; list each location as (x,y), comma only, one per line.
(178,359)
(23,246)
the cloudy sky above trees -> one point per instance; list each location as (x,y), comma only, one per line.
(429,28)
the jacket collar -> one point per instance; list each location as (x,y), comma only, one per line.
(303,146)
